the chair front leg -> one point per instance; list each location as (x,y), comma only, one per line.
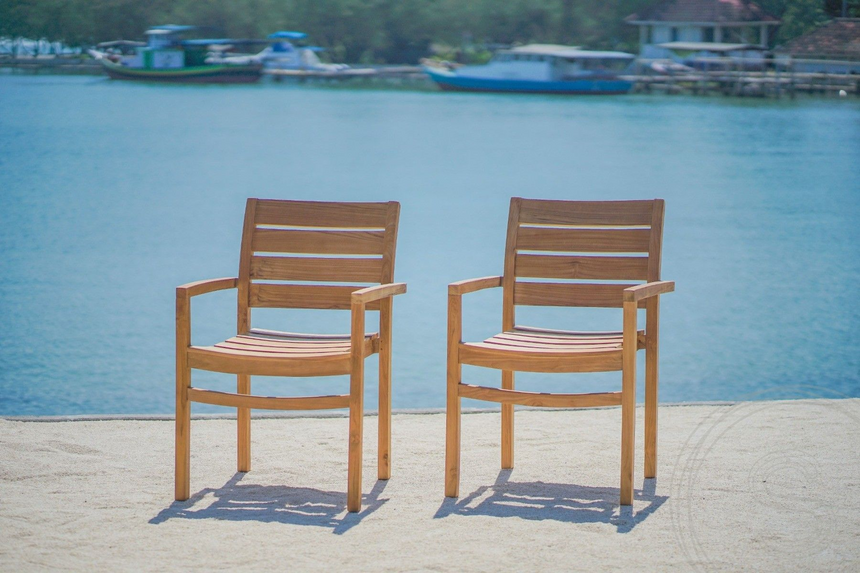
(356,409)
(384,438)
(182,475)
(652,353)
(628,402)
(452,425)
(243,434)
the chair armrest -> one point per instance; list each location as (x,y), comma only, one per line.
(202,287)
(647,290)
(183,307)
(472,285)
(377,292)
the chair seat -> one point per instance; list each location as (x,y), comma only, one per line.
(273,353)
(529,349)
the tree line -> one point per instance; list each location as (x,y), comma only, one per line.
(374,31)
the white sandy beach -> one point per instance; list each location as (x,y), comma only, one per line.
(769,486)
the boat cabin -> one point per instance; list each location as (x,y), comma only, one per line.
(543,62)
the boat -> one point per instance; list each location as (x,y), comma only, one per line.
(540,68)
(167,57)
(281,55)
(284,55)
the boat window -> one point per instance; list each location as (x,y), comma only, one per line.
(604,64)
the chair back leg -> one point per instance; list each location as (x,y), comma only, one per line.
(507,423)
(243,434)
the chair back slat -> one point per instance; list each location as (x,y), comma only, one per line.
(322,214)
(583,240)
(318,242)
(571,294)
(573,242)
(335,297)
(581,267)
(328,269)
(311,242)
(586,213)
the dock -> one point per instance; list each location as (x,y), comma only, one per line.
(776,78)
(406,73)
(52,64)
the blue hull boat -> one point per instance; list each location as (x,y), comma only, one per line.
(541,68)
(449,81)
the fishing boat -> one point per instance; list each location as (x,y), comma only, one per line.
(167,57)
(540,68)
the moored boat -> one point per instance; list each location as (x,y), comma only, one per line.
(167,57)
(541,68)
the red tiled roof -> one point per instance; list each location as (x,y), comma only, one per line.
(836,39)
(719,11)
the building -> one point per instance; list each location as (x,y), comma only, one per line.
(832,47)
(712,21)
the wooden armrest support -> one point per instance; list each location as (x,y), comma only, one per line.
(647,290)
(472,285)
(202,287)
(373,293)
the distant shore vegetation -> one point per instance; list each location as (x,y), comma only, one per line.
(375,31)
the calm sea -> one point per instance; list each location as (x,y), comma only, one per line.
(114,193)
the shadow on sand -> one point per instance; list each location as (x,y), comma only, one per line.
(560,502)
(273,504)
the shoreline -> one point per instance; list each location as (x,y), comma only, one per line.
(344,413)
(737,84)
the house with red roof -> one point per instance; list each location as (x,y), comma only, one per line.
(832,47)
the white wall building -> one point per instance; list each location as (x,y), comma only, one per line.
(719,21)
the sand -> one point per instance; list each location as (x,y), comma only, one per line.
(770,486)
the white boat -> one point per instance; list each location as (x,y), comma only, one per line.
(541,68)
(282,54)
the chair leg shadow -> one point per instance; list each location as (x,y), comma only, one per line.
(235,501)
(569,503)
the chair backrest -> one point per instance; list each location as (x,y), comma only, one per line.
(577,244)
(287,246)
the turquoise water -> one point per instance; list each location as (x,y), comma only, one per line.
(115,193)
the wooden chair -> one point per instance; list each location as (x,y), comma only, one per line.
(363,236)
(538,232)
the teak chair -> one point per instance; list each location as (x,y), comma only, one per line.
(363,237)
(592,234)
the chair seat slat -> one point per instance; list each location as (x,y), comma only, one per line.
(534,360)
